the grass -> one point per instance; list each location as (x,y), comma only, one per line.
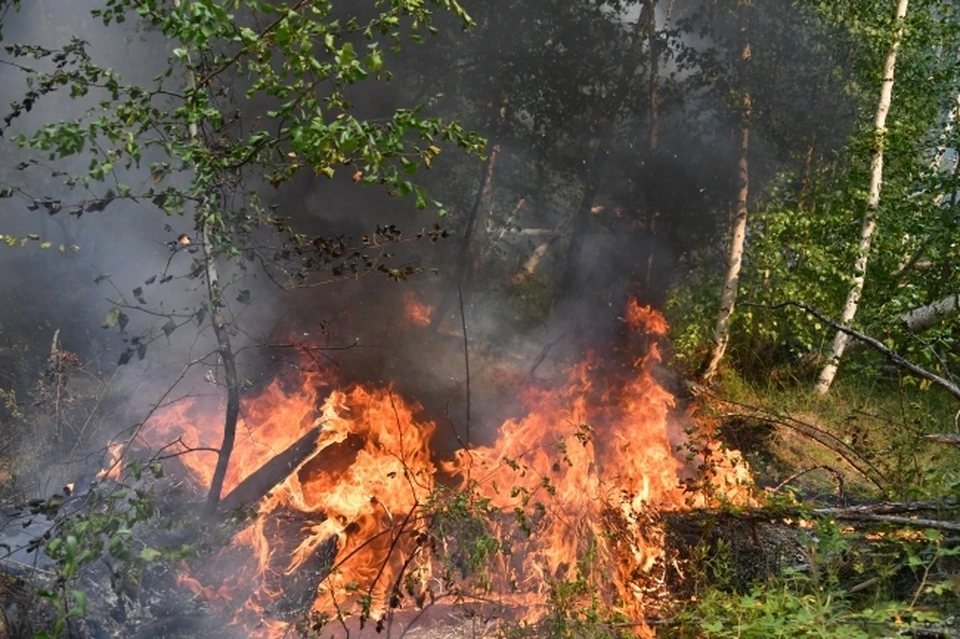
(881,423)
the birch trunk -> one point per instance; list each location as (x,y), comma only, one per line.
(224,348)
(738,224)
(869,227)
(921,318)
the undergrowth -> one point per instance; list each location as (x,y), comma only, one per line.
(884,422)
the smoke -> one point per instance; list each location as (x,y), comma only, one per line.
(537,80)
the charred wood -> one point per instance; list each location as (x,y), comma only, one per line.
(264,479)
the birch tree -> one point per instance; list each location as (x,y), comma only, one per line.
(869,226)
(738,222)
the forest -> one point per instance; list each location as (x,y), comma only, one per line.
(448,319)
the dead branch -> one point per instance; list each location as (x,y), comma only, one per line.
(951,439)
(953,526)
(867,514)
(543,354)
(834,472)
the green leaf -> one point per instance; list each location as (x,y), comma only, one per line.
(138,294)
(112,318)
(150,555)
(80,598)
(244,297)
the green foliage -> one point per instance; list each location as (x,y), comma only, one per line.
(110,527)
(805,223)
(461,521)
(840,594)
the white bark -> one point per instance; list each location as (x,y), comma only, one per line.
(738,227)
(870,216)
(922,318)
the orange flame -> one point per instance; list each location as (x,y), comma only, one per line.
(584,474)
(113,468)
(418,313)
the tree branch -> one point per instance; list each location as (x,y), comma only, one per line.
(877,345)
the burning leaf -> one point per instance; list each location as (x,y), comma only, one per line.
(138,293)
(169,327)
(111,318)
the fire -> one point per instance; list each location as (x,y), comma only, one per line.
(113,468)
(573,488)
(596,456)
(418,313)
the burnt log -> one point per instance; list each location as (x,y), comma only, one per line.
(255,487)
(299,588)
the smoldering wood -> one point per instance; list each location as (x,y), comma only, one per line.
(334,459)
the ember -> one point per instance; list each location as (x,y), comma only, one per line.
(591,456)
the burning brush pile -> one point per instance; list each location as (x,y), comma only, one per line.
(362,526)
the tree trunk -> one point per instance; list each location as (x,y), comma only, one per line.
(602,150)
(582,217)
(922,318)
(738,225)
(483,199)
(653,39)
(870,216)
(224,349)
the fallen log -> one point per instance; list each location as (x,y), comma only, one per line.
(303,455)
(264,479)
